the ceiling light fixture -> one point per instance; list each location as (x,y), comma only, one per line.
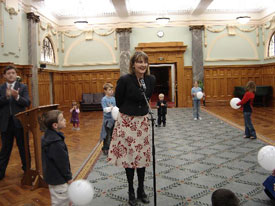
(81,24)
(243,19)
(163,20)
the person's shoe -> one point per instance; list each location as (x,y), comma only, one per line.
(253,137)
(2,176)
(246,136)
(142,197)
(73,128)
(132,199)
(77,129)
(164,125)
(195,118)
(200,118)
(105,152)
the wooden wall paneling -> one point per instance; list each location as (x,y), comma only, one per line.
(180,77)
(268,74)
(58,94)
(219,81)
(102,80)
(86,87)
(188,84)
(68,90)
(223,84)
(79,87)
(229,83)
(44,88)
(69,85)
(170,85)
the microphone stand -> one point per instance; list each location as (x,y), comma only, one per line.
(153,146)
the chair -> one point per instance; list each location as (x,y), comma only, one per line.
(91,102)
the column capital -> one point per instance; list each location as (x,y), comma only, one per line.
(124,30)
(32,16)
(197,27)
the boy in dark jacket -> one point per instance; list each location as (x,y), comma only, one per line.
(162,110)
(55,159)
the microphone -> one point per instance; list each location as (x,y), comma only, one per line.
(142,84)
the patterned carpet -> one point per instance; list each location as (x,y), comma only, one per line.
(193,158)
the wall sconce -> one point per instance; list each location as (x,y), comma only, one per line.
(42,66)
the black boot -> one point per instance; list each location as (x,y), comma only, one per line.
(132,199)
(142,196)
(130,178)
(140,191)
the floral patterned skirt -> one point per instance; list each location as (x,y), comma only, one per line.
(130,146)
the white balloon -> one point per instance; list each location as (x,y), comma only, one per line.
(115,111)
(233,103)
(81,192)
(199,95)
(266,157)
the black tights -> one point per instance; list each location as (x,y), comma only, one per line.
(130,172)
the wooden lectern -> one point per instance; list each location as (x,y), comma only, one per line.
(31,122)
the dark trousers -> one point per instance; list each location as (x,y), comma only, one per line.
(161,119)
(107,140)
(7,144)
(249,129)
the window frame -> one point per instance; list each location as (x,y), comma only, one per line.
(44,54)
(272,38)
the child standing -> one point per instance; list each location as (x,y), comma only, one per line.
(246,103)
(162,110)
(55,158)
(75,116)
(107,103)
(196,101)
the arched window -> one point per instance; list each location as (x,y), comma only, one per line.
(47,52)
(271,46)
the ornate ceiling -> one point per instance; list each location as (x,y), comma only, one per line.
(64,12)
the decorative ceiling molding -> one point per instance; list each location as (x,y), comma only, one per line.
(219,10)
(144,21)
(12,7)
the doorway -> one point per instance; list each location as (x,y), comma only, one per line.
(165,81)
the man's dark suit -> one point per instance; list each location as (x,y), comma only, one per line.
(11,127)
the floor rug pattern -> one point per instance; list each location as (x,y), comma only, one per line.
(193,159)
